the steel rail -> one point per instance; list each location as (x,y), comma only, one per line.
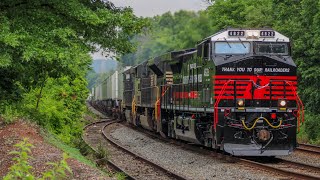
(112,141)
(303,165)
(284,172)
(247,162)
(109,162)
(308,148)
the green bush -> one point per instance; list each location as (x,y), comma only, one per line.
(102,155)
(22,170)
(9,114)
(312,126)
(302,134)
(59,169)
(61,107)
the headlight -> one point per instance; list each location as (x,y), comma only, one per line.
(240,102)
(282,103)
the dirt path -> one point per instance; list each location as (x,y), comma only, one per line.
(42,152)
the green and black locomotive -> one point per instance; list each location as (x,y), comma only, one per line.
(236,91)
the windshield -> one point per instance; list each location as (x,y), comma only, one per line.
(232,48)
(271,48)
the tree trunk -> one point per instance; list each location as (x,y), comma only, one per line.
(40,94)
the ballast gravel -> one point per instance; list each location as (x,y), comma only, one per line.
(190,164)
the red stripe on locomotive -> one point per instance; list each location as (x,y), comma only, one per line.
(244,86)
(186,95)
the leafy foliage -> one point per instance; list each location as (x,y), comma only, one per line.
(22,170)
(62,106)
(51,39)
(10,114)
(58,170)
(44,56)
(169,32)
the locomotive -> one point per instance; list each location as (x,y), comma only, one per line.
(235,91)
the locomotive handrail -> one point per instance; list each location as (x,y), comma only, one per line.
(157,104)
(300,105)
(134,110)
(297,98)
(216,104)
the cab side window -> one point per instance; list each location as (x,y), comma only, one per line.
(206,51)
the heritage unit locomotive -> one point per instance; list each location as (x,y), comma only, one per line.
(236,91)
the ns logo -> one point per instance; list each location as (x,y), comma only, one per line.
(257,87)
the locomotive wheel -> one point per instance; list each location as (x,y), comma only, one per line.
(115,116)
(171,131)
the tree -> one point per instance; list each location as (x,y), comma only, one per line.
(241,13)
(169,32)
(44,56)
(42,39)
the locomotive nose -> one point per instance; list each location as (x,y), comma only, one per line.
(263,135)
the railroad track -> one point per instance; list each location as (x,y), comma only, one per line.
(93,140)
(285,168)
(122,159)
(308,148)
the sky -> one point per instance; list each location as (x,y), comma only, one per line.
(150,8)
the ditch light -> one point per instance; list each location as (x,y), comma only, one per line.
(282,104)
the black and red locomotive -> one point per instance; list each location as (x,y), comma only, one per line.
(236,91)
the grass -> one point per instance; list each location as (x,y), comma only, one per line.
(302,136)
(10,114)
(102,155)
(120,176)
(73,152)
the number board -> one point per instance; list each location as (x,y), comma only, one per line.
(267,33)
(236,33)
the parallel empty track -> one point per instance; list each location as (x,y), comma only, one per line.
(132,164)
(287,168)
(308,148)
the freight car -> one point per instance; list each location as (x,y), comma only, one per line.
(236,91)
(107,95)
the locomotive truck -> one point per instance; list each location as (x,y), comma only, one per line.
(235,91)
